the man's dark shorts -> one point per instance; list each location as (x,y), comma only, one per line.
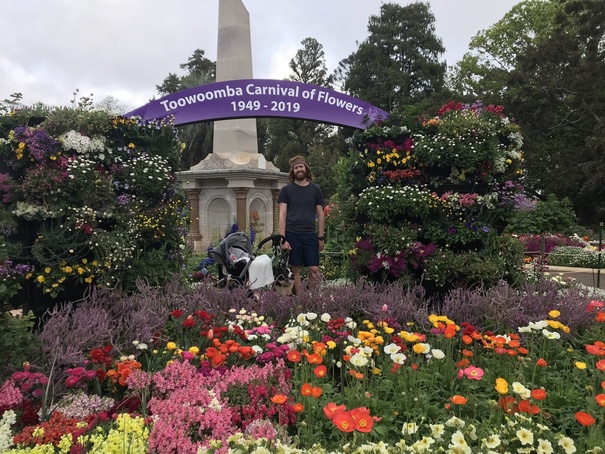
(305,249)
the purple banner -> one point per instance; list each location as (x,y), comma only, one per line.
(248,98)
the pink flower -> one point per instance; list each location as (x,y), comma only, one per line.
(473,373)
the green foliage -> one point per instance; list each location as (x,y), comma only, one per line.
(196,138)
(399,61)
(549,216)
(19,343)
(484,70)
(501,258)
(557,95)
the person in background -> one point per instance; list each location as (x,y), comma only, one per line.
(301,221)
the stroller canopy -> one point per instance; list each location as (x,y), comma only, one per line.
(222,252)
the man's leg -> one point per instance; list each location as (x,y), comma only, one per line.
(296,286)
(314,277)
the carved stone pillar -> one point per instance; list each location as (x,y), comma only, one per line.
(193,196)
(275,194)
(241,197)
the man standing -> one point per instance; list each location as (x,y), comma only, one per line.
(300,204)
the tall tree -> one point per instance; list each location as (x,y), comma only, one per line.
(484,70)
(196,137)
(558,96)
(398,63)
(309,64)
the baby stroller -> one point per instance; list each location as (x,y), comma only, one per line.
(236,261)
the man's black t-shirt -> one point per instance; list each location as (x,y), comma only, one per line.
(302,202)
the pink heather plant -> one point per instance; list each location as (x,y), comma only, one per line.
(190,409)
(10,396)
(190,415)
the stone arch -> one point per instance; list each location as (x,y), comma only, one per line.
(219,216)
(261,204)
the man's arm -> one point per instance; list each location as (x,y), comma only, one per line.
(283,211)
(320,225)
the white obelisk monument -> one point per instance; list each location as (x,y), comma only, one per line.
(235,179)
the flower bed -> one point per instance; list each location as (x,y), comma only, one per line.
(389,377)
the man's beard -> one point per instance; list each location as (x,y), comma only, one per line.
(300,176)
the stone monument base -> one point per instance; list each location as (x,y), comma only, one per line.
(222,192)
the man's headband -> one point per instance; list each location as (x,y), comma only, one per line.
(297,160)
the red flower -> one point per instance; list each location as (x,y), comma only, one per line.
(600,398)
(597,349)
(542,362)
(344,421)
(294,356)
(600,364)
(538,394)
(594,305)
(585,418)
(320,371)
(189,322)
(176,313)
(525,406)
(363,421)
(331,409)
(508,404)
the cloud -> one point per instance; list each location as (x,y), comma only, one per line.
(124,48)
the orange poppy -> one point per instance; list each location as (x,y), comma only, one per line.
(511,352)
(314,358)
(603,384)
(458,399)
(600,398)
(467,339)
(319,348)
(514,344)
(585,418)
(294,356)
(600,317)
(467,353)
(600,364)
(541,362)
(450,331)
(298,407)
(316,392)
(523,351)
(320,371)
(344,421)
(357,375)
(306,389)
(538,394)
(463,363)
(279,399)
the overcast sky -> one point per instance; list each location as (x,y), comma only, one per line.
(124,48)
